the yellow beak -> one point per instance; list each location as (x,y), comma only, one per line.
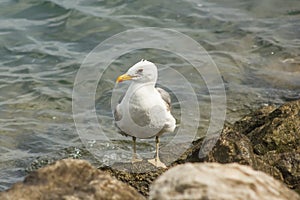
(123,77)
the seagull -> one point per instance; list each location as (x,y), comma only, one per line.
(145,110)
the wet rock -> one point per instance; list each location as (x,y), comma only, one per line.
(275,137)
(289,166)
(216,181)
(70,179)
(235,147)
(268,140)
(140,175)
(273,129)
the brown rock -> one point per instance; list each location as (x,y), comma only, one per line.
(70,179)
(267,139)
(141,174)
(275,136)
(138,175)
(235,147)
(273,129)
(211,181)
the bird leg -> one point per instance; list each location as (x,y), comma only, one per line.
(134,156)
(156,161)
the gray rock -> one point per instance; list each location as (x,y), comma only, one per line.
(70,179)
(213,181)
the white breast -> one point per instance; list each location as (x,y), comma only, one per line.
(144,113)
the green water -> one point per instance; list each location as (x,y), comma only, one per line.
(255,44)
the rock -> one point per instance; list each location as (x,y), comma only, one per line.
(79,152)
(141,174)
(272,129)
(137,175)
(288,165)
(240,143)
(235,147)
(70,179)
(205,181)
(268,140)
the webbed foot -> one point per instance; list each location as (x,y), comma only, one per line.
(157,163)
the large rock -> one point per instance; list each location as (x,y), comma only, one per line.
(213,181)
(268,140)
(70,179)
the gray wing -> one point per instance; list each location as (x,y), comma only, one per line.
(118,116)
(117,113)
(165,96)
(139,116)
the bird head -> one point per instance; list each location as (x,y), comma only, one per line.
(142,72)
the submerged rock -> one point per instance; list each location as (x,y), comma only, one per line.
(69,152)
(70,179)
(216,181)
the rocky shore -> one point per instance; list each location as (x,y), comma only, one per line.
(258,157)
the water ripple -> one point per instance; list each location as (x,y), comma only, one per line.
(255,44)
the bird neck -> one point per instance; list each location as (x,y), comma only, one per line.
(144,86)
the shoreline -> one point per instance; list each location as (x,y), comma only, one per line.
(267,140)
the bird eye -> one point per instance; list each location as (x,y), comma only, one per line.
(140,70)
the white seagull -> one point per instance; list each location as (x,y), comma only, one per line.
(145,110)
